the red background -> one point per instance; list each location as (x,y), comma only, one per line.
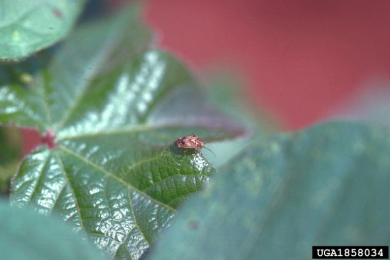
(300,58)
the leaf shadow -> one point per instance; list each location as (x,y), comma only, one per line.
(23,72)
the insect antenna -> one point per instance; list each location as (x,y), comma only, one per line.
(209,150)
(211,141)
(221,134)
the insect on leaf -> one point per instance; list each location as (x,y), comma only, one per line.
(327,185)
(113,107)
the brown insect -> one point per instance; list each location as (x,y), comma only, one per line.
(191,142)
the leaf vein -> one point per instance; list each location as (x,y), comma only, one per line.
(112,175)
(108,46)
(60,163)
(40,176)
(135,220)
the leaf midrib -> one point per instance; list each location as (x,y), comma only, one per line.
(60,163)
(108,47)
(124,130)
(112,175)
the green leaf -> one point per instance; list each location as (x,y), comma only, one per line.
(10,154)
(29,26)
(324,186)
(26,235)
(370,103)
(6,173)
(226,91)
(115,107)
(49,87)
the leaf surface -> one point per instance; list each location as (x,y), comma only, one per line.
(26,235)
(324,186)
(114,106)
(29,26)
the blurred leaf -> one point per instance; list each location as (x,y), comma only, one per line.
(26,235)
(94,9)
(10,145)
(6,173)
(369,104)
(29,26)
(44,89)
(114,107)
(10,154)
(226,91)
(328,185)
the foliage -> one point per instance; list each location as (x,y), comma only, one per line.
(26,235)
(109,106)
(10,153)
(324,186)
(29,26)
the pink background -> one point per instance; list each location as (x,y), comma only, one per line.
(299,58)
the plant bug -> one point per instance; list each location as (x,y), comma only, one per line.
(191,142)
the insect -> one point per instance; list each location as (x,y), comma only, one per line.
(191,142)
